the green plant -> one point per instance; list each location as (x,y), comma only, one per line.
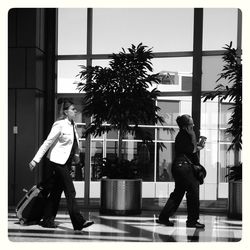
(235,172)
(118,169)
(118,97)
(232,73)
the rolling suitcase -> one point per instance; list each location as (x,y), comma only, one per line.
(30,208)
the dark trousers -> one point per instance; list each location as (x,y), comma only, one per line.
(185,182)
(61,181)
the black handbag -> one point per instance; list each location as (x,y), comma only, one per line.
(199,171)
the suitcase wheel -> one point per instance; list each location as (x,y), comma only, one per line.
(22,221)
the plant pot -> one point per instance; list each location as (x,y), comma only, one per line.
(235,200)
(121,196)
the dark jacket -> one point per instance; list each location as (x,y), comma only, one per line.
(185,145)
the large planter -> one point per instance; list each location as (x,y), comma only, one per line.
(235,200)
(121,196)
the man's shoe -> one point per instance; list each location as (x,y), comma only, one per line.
(195,224)
(167,223)
(87,223)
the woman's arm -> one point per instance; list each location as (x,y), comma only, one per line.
(53,135)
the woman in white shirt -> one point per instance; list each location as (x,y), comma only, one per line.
(62,145)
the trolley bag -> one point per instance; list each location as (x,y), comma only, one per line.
(30,208)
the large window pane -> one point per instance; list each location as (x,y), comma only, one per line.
(164,162)
(175,73)
(211,68)
(72,30)
(169,110)
(162,29)
(96,156)
(67,75)
(220,27)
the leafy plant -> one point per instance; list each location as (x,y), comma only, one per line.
(235,172)
(232,72)
(118,97)
(117,169)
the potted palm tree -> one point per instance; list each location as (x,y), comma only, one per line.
(118,97)
(232,72)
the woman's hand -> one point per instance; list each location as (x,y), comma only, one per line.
(32,165)
(76,158)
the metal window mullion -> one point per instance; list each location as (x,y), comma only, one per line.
(88,120)
(197,68)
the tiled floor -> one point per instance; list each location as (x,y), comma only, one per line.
(142,228)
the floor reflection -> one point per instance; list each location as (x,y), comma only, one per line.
(142,228)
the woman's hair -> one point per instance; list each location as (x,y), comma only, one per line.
(65,104)
(183,120)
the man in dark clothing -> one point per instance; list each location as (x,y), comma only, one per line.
(186,149)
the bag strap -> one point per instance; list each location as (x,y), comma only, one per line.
(187,159)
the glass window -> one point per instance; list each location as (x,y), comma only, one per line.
(112,134)
(175,73)
(67,75)
(162,29)
(96,156)
(169,110)
(164,161)
(111,149)
(219,28)
(226,157)
(211,68)
(72,30)
(78,169)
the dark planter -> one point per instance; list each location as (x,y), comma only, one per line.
(121,196)
(235,200)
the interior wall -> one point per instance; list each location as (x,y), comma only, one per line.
(28,86)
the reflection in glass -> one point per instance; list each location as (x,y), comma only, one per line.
(164,162)
(78,169)
(165,134)
(175,73)
(144,156)
(169,110)
(96,157)
(112,134)
(226,159)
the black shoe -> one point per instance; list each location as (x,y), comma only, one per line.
(195,224)
(87,223)
(48,224)
(167,223)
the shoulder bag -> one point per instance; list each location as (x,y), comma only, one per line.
(199,171)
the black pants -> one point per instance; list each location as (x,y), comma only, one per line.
(61,181)
(185,181)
